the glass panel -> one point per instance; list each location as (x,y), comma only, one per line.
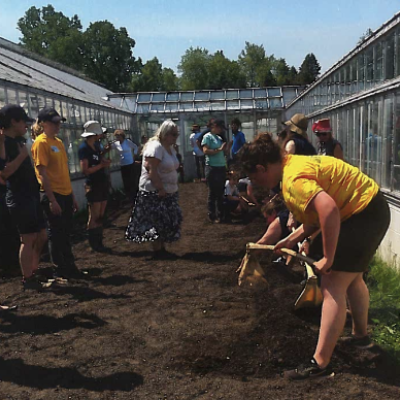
(23,101)
(144,97)
(262,103)
(288,95)
(186,106)
(187,96)
(389,59)
(387,140)
(49,102)
(396,152)
(233,105)
(217,95)
(260,93)
(158,97)
(157,107)
(2,97)
(369,61)
(173,97)
(201,96)
(246,94)
(143,108)
(171,107)
(273,92)
(275,103)
(246,103)
(232,94)
(378,63)
(361,71)
(12,96)
(218,105)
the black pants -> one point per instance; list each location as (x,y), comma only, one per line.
(9,238)
(200,165)
(216,177)
(59,230)
(129,180)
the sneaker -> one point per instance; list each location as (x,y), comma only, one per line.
(360,343)
(309,371)
(217,221)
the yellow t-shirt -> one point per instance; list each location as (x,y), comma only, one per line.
(51,154)
(305,176)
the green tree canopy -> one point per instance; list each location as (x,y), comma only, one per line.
(108,55)
(309,70)
(42,28)
(193,68)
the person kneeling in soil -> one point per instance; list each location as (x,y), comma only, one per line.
(156,215)
(233,203)
(328,194)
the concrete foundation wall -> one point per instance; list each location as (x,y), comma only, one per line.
(390,246)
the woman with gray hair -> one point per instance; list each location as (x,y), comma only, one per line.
(156,215)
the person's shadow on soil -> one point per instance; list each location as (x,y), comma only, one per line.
(83,294)
(117,280)
(44,324)
(208,256)
(19,373)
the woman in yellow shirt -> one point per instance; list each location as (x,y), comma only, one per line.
(327,194)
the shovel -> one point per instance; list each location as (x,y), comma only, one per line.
(251,275)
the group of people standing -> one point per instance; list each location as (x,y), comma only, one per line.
(338,209)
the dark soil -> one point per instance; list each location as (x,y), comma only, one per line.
(174,329)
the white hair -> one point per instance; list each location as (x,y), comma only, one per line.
(165,128)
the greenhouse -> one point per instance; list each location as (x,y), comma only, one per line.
(361,96)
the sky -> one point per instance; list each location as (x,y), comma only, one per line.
(167,28)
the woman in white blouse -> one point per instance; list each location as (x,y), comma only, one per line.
(156,216)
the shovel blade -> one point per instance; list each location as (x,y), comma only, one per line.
(310,296)
(251,274)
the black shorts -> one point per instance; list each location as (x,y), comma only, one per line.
(359,237)
(26,212)
(97,192)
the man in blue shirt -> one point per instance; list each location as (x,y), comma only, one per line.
(238,139)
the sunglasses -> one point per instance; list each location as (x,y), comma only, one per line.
(318,134)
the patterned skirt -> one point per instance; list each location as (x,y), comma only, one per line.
(155,218)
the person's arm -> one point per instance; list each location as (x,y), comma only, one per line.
(86,170)
(290,147)
(132,146)
(338,152)
(250,194)
(151,164)
(209,152)
(44,179)
(13,165)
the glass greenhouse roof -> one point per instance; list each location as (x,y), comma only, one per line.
(269,98)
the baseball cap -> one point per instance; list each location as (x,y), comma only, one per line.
(49,114)
(13,111)
(322,125)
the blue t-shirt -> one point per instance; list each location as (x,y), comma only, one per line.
(238,141)
(214,142)
(85,152)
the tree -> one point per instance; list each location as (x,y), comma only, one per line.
(256,66)
(45,31)
(282,72)
(170,81)
(194,69)
(309,70)
(108,55)
(293,76)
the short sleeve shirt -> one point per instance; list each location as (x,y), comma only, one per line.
(85,152)
(167,168)
(50,153)
(214,142)
(304,177)
(23,180)
(238,141)
(125,151)
(231,190)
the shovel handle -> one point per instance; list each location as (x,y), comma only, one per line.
(255,246)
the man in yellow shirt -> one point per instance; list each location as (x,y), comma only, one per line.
(51,167)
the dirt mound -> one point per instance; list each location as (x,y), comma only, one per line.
(180,328)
